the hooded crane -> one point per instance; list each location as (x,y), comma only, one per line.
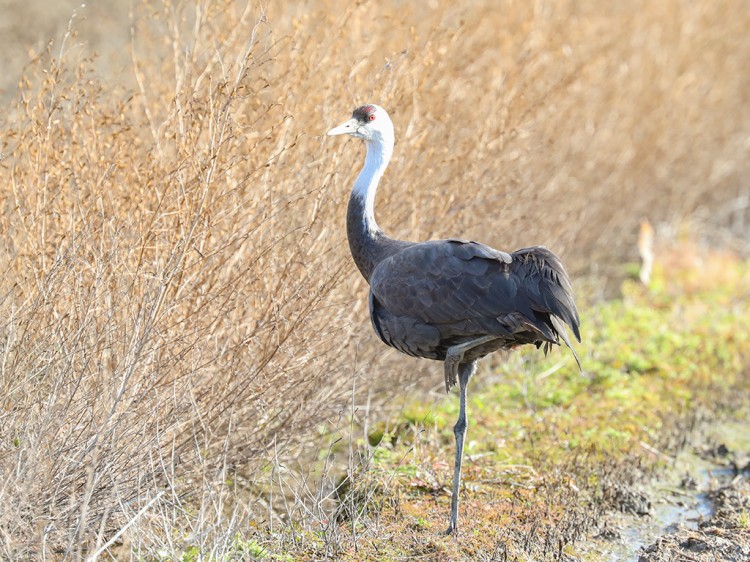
(450,300)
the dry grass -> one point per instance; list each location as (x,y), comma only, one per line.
(177,302)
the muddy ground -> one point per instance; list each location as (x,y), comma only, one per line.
(725,534)
(699,511)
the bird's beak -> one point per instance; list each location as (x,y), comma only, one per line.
(345,128)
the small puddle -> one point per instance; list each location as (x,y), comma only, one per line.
(673,504)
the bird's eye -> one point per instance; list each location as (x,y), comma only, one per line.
(371,117)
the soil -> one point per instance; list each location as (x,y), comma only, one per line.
(697,511)
(724,536)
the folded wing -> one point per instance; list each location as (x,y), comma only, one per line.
(466,288)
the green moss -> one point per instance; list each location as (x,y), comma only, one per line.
(191,554)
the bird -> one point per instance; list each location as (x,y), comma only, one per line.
(450,300)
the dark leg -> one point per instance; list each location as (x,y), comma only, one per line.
(465,370)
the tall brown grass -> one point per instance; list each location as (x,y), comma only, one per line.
(178,308)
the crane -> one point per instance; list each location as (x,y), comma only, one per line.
(450,300)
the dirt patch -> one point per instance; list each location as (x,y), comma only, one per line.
(725,537)
(725,534)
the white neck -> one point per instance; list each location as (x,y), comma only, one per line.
(379,153)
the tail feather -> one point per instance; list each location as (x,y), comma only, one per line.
(559,326)
(550,288)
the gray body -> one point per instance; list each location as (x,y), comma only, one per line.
(450,300)
(427,297)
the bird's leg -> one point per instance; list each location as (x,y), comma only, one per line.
(455,356)
(465,371)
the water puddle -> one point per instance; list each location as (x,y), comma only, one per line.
(679,499)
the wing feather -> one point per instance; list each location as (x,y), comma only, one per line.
(466,285)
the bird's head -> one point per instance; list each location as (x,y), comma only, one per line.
(369,123)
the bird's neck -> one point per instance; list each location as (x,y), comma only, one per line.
(367,242)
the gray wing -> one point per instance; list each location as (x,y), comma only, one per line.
(468,288)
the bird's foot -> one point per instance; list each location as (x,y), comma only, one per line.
(454,357)
(452,530)
(451,371)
